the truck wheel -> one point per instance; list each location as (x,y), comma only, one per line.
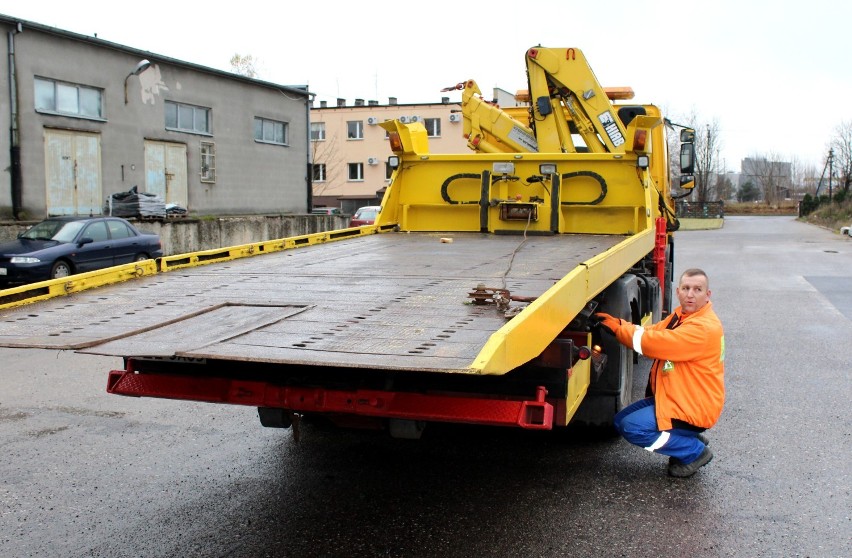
(613,389)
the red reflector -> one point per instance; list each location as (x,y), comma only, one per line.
(584,353)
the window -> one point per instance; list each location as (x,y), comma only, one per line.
(355,129)
(68,98)
(270,131)
(319,173)
(187,118)
(208,162)
(433,127)
(356,171)
(117,229)
(97,231)
(317,131)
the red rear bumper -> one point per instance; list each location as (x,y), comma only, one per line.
(533,413)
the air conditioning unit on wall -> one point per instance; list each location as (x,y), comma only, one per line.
(416,119)
(455,117)
(405,119)
(373,161)
(372,121)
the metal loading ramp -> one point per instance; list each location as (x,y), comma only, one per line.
(395,301)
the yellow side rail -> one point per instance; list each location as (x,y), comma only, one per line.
(44,290)
(527,334)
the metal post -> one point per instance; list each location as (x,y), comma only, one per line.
(830,171)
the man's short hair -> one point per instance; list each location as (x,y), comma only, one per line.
(692,272)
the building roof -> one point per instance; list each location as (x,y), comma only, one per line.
(23,25)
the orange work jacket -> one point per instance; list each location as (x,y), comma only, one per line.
(687,376)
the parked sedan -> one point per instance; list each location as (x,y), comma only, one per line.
(365,216)
(326,211)
(61,246)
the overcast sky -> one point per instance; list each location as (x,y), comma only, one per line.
(775,75)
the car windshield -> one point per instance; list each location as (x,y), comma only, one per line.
(366,214)
(62,231)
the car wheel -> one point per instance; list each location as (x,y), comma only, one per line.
(141,257)
(60,269)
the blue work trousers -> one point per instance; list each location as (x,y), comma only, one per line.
(638,424)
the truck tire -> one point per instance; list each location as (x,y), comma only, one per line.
(613,389)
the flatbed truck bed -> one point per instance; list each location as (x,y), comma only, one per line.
(390,301)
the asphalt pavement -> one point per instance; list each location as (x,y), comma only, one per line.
(84,473)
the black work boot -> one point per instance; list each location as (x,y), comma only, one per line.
(704,440)
(683,470)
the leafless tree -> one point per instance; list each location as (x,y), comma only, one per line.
(724,188)
(244,65)
(770,173)
(804,177)
(708,166)
(326,152)
(841,148)
(708,144)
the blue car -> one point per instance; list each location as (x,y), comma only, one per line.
(61,246)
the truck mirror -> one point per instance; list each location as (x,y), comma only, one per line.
(687,158)
(687,135)
(687,182)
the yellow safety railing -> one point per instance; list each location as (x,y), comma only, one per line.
(44,290)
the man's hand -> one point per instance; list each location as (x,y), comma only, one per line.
(609,323)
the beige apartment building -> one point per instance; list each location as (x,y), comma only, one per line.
(350,150)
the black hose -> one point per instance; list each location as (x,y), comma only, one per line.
(446,186)
(590,174)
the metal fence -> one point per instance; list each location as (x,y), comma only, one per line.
(700,210)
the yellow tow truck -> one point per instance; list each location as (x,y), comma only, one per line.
(467,301)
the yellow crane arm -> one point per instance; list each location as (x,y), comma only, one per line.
(562,85)
(490,129)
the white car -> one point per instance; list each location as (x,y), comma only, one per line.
(846,230)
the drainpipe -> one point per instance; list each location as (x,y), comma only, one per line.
(14,140)
(310,175)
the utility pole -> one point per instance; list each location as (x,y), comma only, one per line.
(830,171)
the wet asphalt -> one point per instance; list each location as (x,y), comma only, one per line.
(83,473)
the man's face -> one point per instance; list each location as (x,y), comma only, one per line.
(693,293)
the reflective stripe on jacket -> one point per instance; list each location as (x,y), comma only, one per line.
(687,376)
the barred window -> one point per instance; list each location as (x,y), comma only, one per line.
(208,162)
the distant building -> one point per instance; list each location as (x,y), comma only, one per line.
(90,118)
(773,177)
(350,150)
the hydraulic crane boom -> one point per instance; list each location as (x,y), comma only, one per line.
(563,84)
(488,128)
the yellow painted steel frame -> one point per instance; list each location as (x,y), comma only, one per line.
(528,334)
(445,193)
(34,292)
(578,384)
(43,290)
